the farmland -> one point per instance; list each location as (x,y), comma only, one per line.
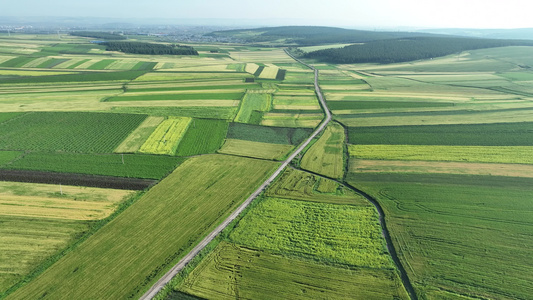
(443,146)
(488,258)
(203,137)
(326,156)
(299,248)
(268,276)
(38,220)
(489,154)
(69,132)
(255,149)
(167,136)
(175,198)
(135,165)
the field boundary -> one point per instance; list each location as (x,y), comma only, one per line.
(158,286)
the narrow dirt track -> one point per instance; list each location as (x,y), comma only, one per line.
(185,260)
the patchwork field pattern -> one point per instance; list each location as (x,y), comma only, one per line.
(39,220)
(128,165)
(167,136)
(203,136)
(326,156)
(426,213)
(116,247)
(267,276)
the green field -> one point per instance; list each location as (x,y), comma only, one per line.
(488,154)
(6,116)
(125,257)
(255,149)
(304,186)
(274,135)
(326,156)
(336,234)
(203,136)
(67,131)
(8,156)
(506,134)
(135,165)
(252,104)
(337,105)
(463,235)
(181,96)
(206,112)
(263,275)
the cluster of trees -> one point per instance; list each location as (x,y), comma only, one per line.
(99,35)
(407,49)
(149,48)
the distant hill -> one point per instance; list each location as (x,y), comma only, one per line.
(519,33)
(311,35)
(407,49)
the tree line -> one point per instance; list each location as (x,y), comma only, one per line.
(149,48)
(407,49)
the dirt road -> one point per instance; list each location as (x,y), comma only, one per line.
(185,260)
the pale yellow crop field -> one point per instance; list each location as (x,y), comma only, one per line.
(251,68)
(78,193)
(439,167)
(269,72)
(167,136)
(55,208)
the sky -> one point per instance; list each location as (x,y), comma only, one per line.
(346,13)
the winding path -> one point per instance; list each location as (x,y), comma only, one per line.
(185,260)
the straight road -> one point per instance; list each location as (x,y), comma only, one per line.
(185,260)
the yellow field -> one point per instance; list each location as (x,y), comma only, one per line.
(37,221)
(55,208)
(137,138)
(290,123)
(167,136)
(269,72)
(251,68)
(78,193)
(255,149)
(487,154)
(32,73)
(34,63)
(438,167)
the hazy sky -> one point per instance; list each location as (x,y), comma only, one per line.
(352,13)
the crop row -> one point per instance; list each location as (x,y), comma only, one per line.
(503,134)
(67,131)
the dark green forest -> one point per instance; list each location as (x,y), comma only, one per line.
(407,49)
(149,48)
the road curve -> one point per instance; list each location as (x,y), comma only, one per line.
(185,260)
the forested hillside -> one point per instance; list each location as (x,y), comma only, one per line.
(407,49)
